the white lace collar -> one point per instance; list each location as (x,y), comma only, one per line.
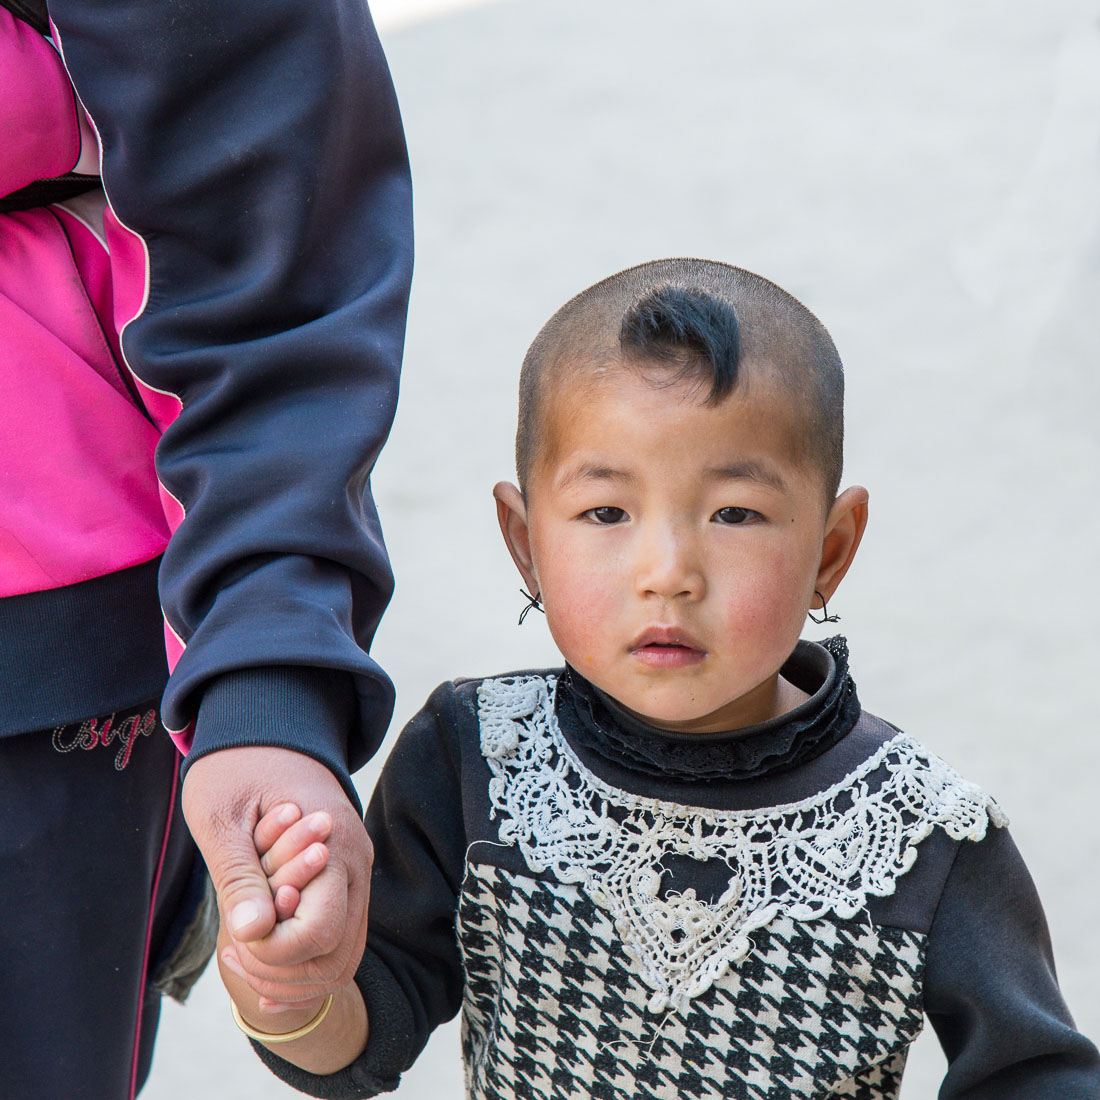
(825,854)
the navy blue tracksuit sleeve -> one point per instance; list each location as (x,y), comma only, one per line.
(257,150)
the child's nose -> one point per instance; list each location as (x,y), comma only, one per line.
(668,566)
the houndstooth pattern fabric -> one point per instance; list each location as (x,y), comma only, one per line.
(555,1009)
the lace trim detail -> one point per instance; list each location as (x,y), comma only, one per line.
(825,854)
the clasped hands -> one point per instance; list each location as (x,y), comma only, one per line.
(298,936)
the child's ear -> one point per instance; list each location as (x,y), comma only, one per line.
(844,527)
(512,517)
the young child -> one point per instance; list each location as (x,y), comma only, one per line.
(687,864)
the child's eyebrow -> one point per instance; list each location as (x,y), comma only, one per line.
(747,470)
(590,471)
(741,470)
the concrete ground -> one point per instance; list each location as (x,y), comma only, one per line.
(925,178)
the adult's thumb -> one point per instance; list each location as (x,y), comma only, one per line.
(244,895)
(221,809)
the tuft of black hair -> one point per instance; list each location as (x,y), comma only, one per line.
(672,322)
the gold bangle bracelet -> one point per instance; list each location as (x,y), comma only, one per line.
(277,1036)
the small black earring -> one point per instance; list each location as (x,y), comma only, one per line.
(825,616)
(532,605)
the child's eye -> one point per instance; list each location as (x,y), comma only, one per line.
(605,516)
(734,515)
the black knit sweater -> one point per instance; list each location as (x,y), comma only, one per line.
(622,912)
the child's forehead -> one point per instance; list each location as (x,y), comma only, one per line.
(608,384)
(586,402)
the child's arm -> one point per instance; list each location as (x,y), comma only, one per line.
(410,978)
(990,989)
(333,1034)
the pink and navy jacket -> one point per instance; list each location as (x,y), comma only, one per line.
(198,371)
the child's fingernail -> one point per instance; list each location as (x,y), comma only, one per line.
(288,814)
(274,1006)
(320,822)
(315,857)
(243,915)
(229,961)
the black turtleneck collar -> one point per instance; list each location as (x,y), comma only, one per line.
(769,748)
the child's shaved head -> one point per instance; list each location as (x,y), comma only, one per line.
(704,321)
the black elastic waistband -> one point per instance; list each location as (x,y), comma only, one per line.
(82,650)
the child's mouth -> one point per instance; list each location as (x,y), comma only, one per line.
(666,649)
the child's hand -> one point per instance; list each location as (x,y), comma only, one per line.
(291,852)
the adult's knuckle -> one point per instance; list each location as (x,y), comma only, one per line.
(331,971)
(233,873)
(322,940)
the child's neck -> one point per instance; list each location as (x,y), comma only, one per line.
(769,701)
(787,696)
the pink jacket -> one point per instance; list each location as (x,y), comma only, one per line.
(79,494)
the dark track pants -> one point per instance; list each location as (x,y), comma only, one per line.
(95,863)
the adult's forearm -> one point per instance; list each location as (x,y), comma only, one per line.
(254,159)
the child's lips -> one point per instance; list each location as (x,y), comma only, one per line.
(664,647)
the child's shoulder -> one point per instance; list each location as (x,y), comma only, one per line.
(459,703)
(875,744)
(467,690)
(515,676)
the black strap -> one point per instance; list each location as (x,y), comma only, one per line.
(30,11)
(43,192)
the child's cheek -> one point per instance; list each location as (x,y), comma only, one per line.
(580,621)
(771,606)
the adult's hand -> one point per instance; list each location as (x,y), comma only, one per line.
(315,953)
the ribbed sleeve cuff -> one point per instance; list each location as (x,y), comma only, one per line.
(309,710)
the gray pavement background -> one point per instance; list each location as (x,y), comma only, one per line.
(925,178)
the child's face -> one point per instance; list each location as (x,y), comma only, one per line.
(677,547)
